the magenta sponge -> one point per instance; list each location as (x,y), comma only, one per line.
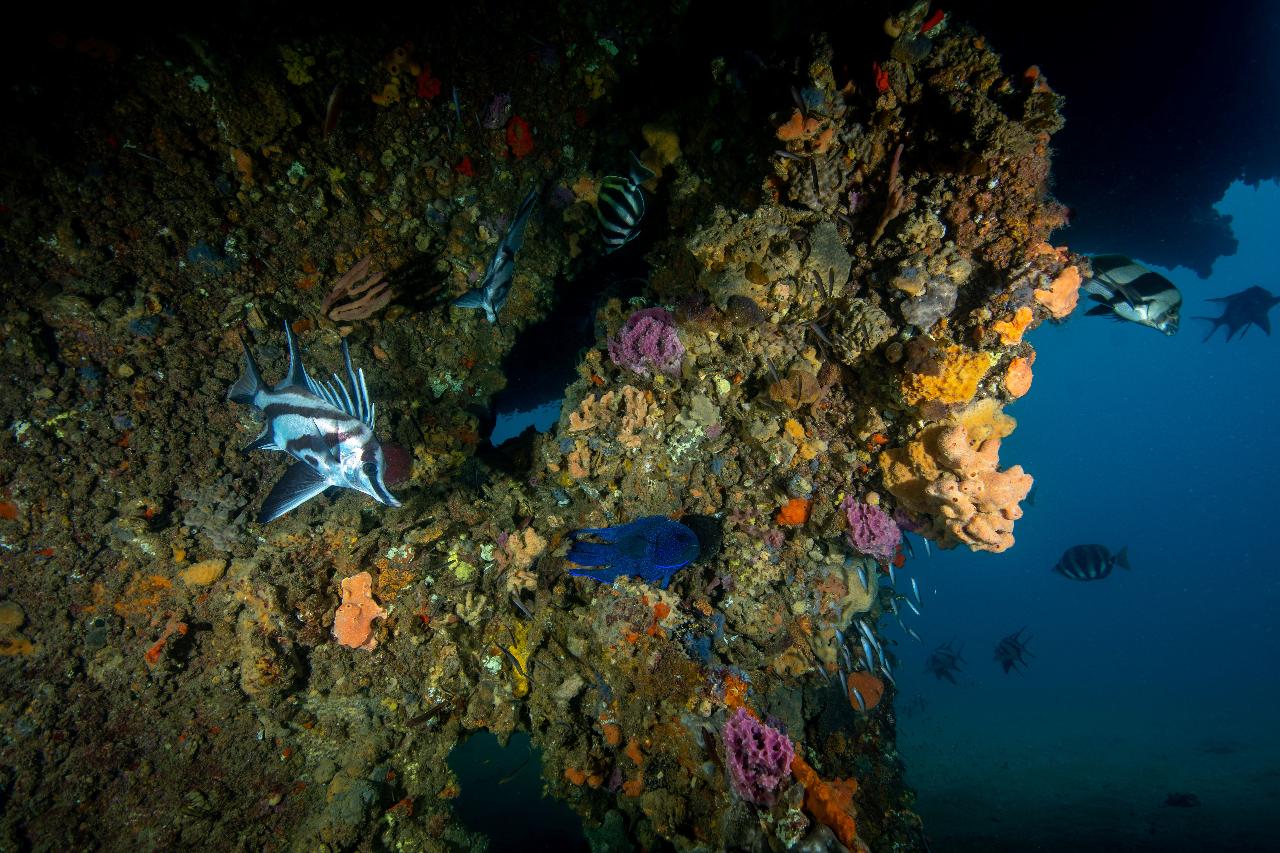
(759,757)
(871,530)
(647,343)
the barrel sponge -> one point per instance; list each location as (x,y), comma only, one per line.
(949,477)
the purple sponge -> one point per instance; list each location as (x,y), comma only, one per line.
(759,757)
(647,343)
(871,530)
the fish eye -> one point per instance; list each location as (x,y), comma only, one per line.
(370,469)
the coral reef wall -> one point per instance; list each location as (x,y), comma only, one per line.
(834,334)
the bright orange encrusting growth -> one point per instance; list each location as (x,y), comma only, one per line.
(1010,329)
(830,802)
(1017,377)
(871,688)
(353,623)
(958,372)
(794,513)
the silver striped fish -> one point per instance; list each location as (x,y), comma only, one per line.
(326,426)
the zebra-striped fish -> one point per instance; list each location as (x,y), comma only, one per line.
(620,206)
(326,426)
(1090,562)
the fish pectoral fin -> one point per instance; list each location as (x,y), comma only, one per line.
(1100,310)
(266,441)
(591,554)
(299,484)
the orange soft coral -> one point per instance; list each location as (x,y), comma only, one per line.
(830,802)
(1010,329)
(794,513)
(353,623)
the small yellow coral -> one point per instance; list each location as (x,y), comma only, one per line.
(954,378)
(519,651)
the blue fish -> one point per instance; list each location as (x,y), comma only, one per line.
(492,292)
(653,548)
(327,427)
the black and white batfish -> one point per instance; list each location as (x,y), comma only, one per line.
(326,426)
(620,206)
(1090,562)
(1126,290)
(494,289)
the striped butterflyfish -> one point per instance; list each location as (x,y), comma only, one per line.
(1126,290)
(1090,562)
(620,206)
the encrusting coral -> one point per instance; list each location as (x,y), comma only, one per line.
(942,372)
(353,623)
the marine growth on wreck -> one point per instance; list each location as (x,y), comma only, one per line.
(819,359)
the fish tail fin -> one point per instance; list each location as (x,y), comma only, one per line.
(1122,558)
(639,171)
(1098,290)
(515,234)
(246,388)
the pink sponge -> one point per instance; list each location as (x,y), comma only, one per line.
(871,530)
(647,343)
(759,757)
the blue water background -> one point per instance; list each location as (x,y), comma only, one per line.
(1159,680)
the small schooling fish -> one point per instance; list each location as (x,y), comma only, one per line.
(1090,562)
(653,548)
(327,427)
(1126,290)
(494,289)
(620,206)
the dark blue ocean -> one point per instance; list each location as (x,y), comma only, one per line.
(1160,680)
